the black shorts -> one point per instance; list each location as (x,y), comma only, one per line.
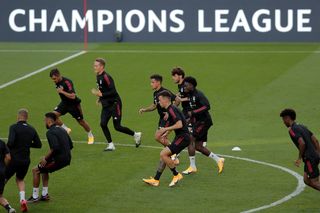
(311,168)
(114,111)
(2,180)
(74,110)
(52,166)
(179,143)
(200,131)
(20,169)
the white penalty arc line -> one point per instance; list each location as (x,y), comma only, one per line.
(299,189)
(42,69)
(127,51)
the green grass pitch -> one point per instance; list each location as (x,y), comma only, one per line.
(247,85)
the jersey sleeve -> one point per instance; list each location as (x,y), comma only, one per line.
(4,148)
(53,141)
(69,88)
(204,104)
(295,133)
(12,136)
(36,140)
(174,115)
(109,83)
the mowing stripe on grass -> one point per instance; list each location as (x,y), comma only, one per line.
(299,189)
(42,69)
(171,51)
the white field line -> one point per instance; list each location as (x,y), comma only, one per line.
(299,189)
(42,69)
(169,51)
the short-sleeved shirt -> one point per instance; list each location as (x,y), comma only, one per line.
(199,107)
(108,89)
(161,110)
(176,115)
(22,137)
(297,131)
(61,144)
(4,150)
(68,87)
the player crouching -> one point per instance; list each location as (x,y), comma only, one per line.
(58,157)
(178,124)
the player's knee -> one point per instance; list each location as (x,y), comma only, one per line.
(118,127)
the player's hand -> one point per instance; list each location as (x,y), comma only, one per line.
(190,114)
(43,162)
(60,89)
(161,131)
(166,116)
(297,162)
(96,92)
(142,110)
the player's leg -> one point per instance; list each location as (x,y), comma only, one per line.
(45,187)
(6,204)
(104,120)
(60,110)
(201,134)
(3,201)
(311,174)
(155,181)
(22,171)
(76,112)
(36,182)
(178,144)
(162,139)
(117,115)
(192,157)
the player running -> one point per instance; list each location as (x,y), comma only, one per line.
(178,124)
(22,137)
(70,103)
(4,161)
(58,157)
(156,85)
(178,75)
(308,146)
(111,105)
(201,121)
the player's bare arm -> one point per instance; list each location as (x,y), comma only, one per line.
(68,95)
(150,108)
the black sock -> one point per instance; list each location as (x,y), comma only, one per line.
(174,171)
(7,207)
(158,175)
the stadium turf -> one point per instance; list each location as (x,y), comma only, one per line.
(247,85)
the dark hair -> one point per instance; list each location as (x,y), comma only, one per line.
(288,112)
(156,77)
(54,72)
(165,93)
(191,80)
(178,71)
(51,115)
(101,61)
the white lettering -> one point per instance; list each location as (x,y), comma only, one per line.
(104,21)
(33,20)
(201,27)
(178,21)
(302,20)
(59,21)
(12,22)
